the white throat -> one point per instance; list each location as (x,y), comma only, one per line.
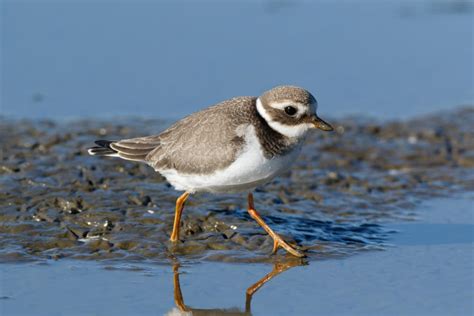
(293,131)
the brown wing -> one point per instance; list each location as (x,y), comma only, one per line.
(202,142)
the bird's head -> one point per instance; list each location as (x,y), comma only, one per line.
(291,111)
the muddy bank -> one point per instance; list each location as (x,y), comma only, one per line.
(56,201)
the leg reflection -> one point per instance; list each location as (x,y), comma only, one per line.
(178,296)
(278,268)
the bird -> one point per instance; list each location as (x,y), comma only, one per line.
(231,147)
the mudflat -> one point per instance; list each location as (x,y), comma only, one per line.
(58,202)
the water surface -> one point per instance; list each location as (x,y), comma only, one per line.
(418,275)
(166,59)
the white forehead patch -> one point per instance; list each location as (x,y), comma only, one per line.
(287,130)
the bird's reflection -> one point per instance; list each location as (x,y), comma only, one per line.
(278,268)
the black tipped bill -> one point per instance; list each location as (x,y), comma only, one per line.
(322,125)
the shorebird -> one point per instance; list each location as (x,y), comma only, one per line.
(233,146)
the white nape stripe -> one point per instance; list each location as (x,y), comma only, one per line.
(287,130)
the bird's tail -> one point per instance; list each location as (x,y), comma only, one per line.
(103,149)
(135,149)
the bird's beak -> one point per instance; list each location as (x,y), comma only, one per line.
(319,123)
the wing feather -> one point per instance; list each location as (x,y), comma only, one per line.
(199,143)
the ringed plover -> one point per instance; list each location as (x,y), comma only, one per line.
(233,146)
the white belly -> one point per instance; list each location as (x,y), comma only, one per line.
(248,171)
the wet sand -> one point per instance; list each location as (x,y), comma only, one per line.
(427,270)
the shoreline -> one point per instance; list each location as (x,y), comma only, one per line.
(61,203)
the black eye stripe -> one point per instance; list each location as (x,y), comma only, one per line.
(290,110)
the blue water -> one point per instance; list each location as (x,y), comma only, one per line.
(427,271)
(389,59)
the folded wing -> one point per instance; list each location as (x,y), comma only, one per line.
(200,143)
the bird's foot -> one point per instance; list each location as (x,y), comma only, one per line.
(279,242)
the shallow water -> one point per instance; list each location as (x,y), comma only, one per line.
(428,270)
(388,59)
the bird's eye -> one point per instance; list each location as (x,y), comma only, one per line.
(290,110)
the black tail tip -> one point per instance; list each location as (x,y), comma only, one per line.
(103,143)
(103,148)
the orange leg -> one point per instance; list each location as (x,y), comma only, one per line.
(177,216)
(277,269)
(178,296)
(277,240)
